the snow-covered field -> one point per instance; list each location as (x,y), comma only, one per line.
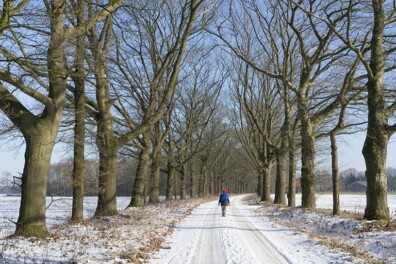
(136,234)
(349,202)
(59,210)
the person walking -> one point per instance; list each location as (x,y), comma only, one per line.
(224,201)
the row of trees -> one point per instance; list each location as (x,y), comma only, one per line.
(199,91)
(59,183)
(305,70)
(235,177)
(115,74)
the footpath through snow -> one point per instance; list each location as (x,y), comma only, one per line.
(242,236)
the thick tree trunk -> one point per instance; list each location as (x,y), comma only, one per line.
(260,181)
(375,152)
(308,149)
(334,169)
(78,161)
(40,133)
(282,161)
(218,184)
(266,197)
(376,143)
(183,182)
(138,199)
(39,146)
(210,183)
(145,193)
(170,182)
(280,193)
(107,146)
(205,183)
(79,126)
(175,184)
(154,193)
(155,182)
(107,201)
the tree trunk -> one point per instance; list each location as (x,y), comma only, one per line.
(266,197)
(260,181)
(205,183)
(107,201)
(40,133)
(107,146)
(201,182)
(175,184)
(375,152)
(155,182)
(154,196)
(282,160)
(261,177)
(291,193)
(78,160)
(79,126)
(145,192)
(193,193)
(138,199)
(170,189)
(39,145)
(280,194)
(183,182)
(210,183)
(308,181)
(376,143)
(334,168)
(170,182)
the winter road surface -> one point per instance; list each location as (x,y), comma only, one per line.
(242,237)
(207,237)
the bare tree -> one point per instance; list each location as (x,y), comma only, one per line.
(215,140)
(318,50)
(158,138)
(156,52)
(196,104)
(258,113)
(354,34)
(39,126)
(138,198)
(78,77)
(345,100)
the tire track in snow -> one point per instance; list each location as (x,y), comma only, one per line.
(208,249)
(244,243)
(207,237)
(195,240)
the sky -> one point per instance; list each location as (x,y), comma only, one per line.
(349,151)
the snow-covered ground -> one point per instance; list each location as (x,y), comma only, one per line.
(193,231)
(241,237)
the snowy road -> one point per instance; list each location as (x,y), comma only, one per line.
(206,237)
(242,237)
